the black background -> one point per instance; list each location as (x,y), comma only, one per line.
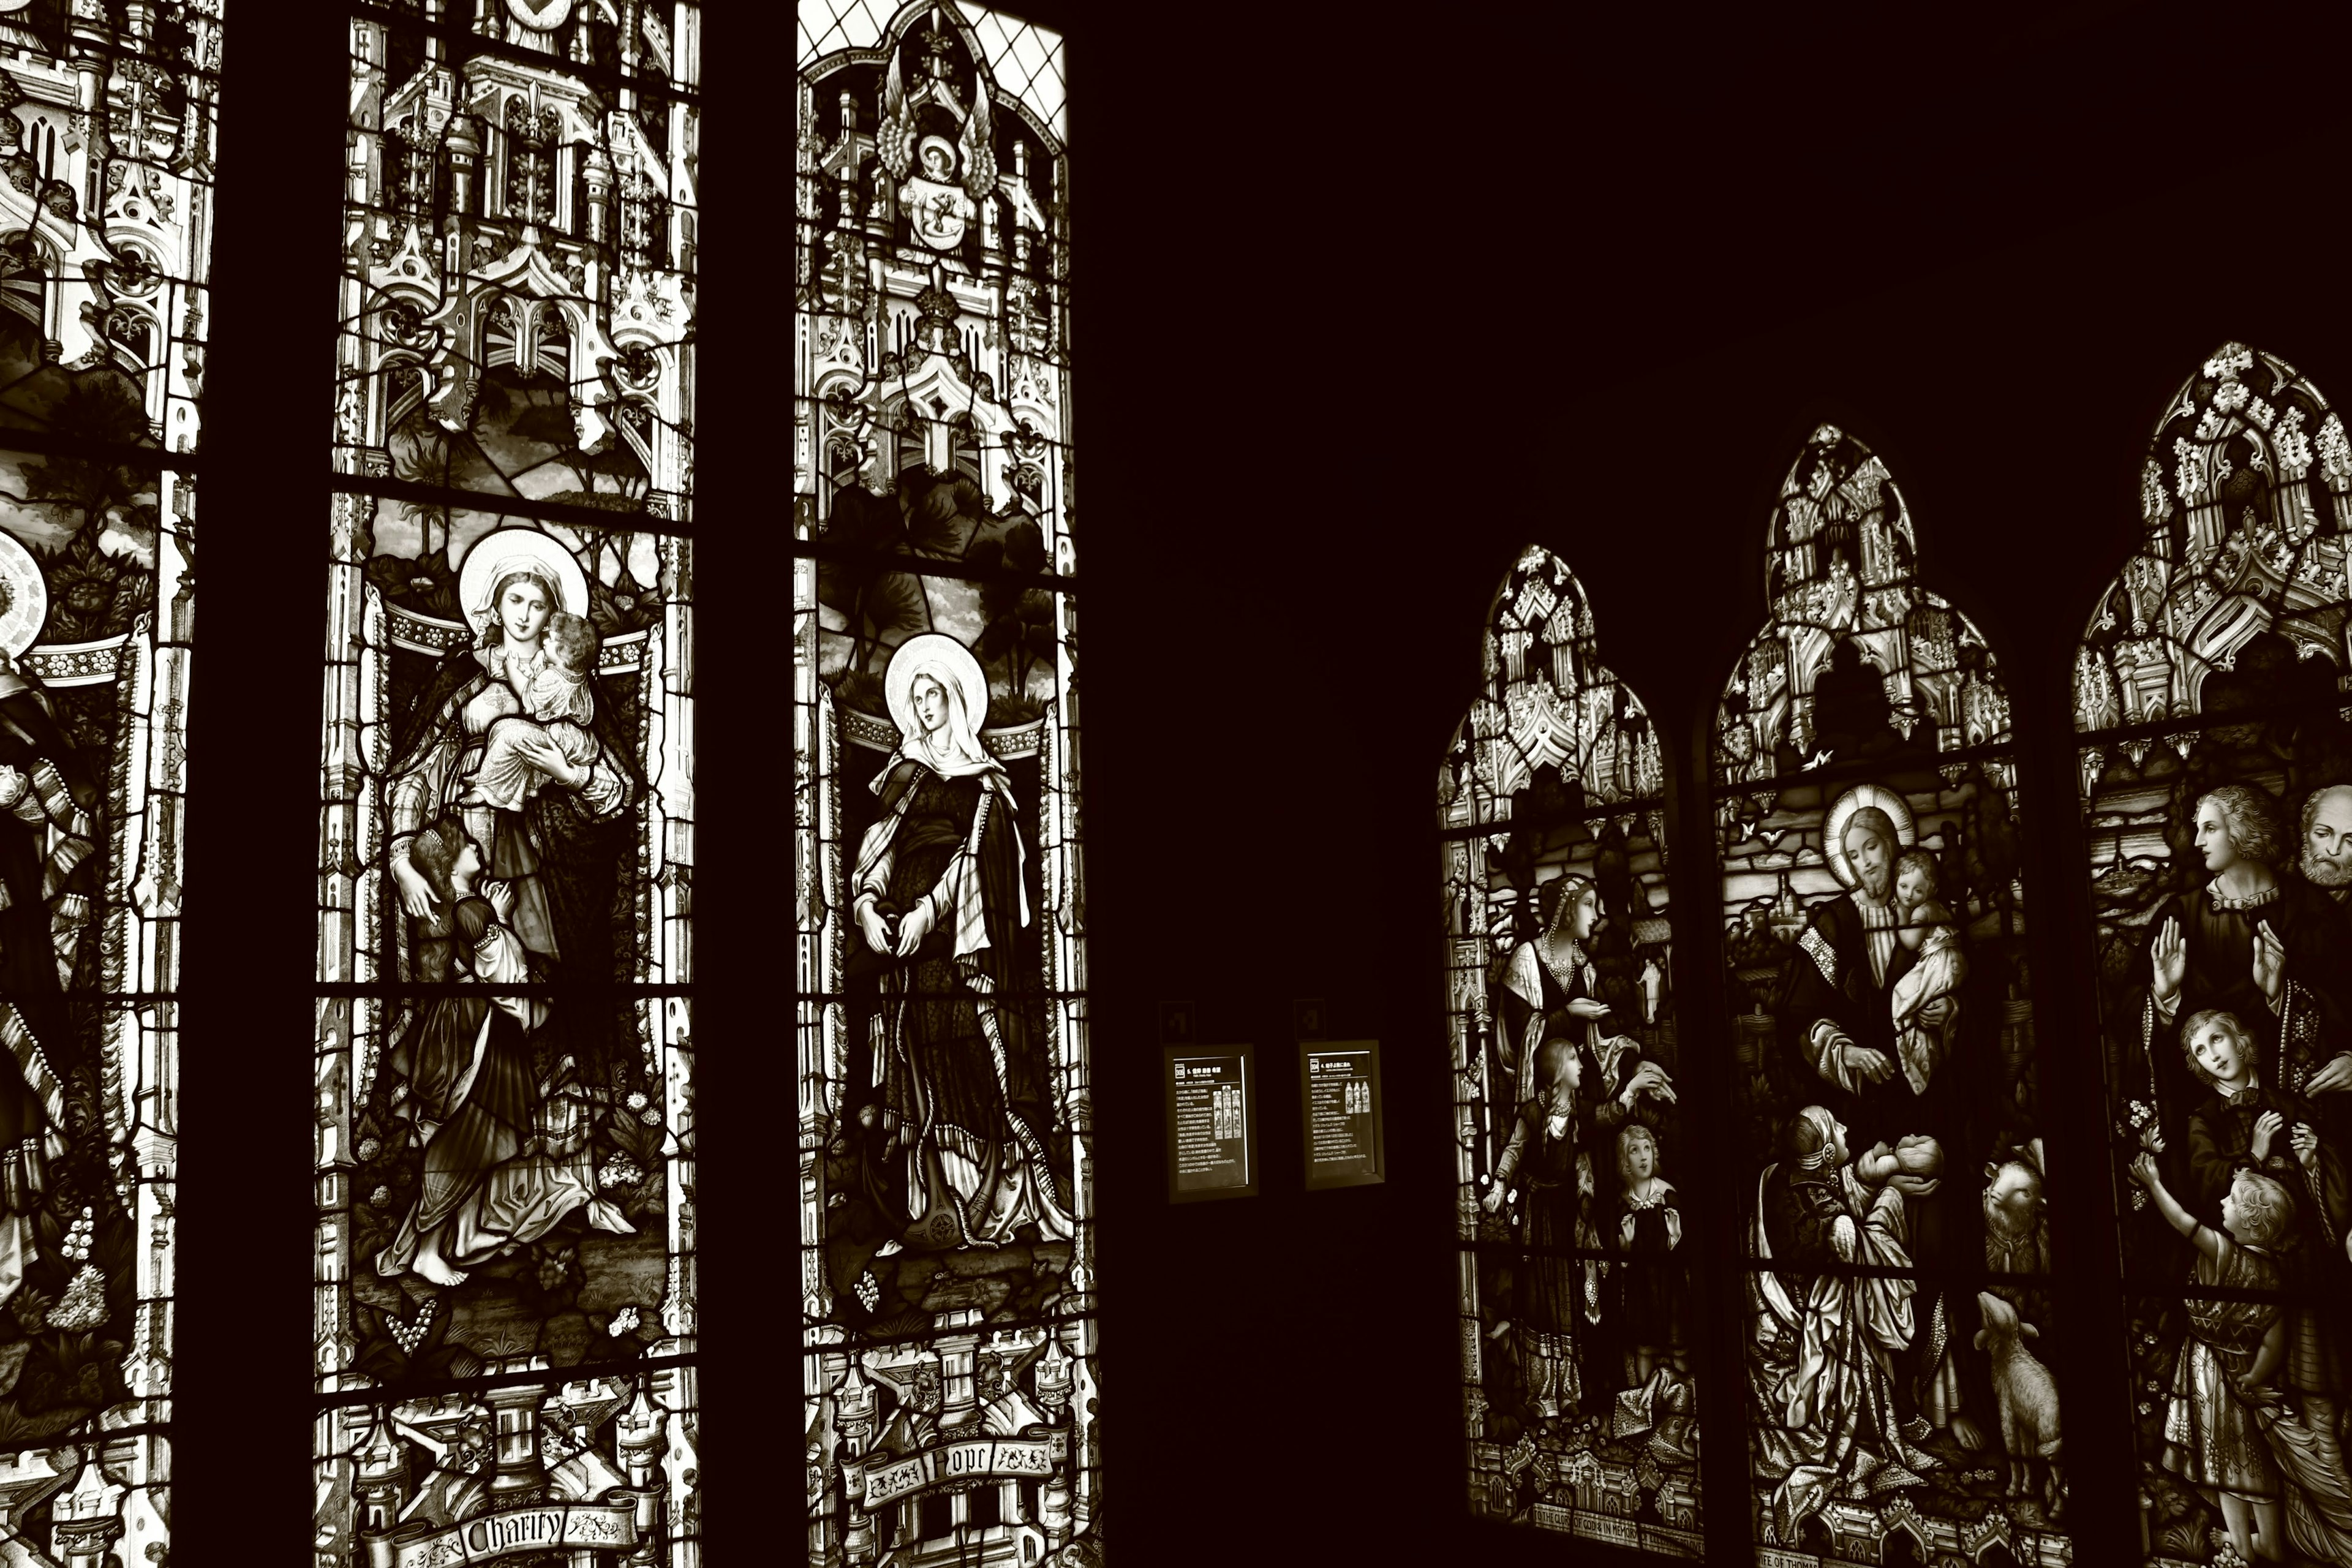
(1364,301)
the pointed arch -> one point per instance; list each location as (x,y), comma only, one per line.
(1867,839)
(1574,1295)
(930,496)
(2215,771)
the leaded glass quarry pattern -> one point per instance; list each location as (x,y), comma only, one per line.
(946,1175)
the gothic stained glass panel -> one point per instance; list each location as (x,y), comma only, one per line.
(504,1057)
(2215,752)
(518,299)
(1577,1318)
(107,143)
(945,1127)
(1886,1077)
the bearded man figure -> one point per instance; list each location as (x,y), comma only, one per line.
(1839,1039)
(2326,863)
(2266,948)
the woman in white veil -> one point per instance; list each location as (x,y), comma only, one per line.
(939,898)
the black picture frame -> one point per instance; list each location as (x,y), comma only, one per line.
(1350,1171)
(1214,1067)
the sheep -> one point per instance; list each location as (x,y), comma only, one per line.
(2028,1396)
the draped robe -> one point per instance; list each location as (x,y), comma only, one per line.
(1819,1373)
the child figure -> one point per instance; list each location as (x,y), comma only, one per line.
(2211,1438)
(1544,1156)
(1941,969)
(2247,1125)
(559,705)
(1650,1230)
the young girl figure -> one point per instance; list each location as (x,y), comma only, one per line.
(1939,973)
(1546,1157)
(2211,1437)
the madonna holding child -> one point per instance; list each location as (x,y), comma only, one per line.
(560,851)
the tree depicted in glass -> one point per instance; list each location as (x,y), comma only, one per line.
(1576,1316)
(946,1175)
(2216,774)
(1885,1088)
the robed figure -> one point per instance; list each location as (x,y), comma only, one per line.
(560,853)
(2272,951)
(49,805)
(1894,1066)
(1821,1356)
(940,901)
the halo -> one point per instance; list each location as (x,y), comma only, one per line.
(506,550)
(941,654)
(1897,811)
(944,146)
(27,603)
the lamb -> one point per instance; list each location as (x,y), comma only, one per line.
(2028,1396)
(2017,1234)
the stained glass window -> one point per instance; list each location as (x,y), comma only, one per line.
(107,138)
(1887,1098)
(1577,1319)
(2216,775)
(504,1062)
(946,1175)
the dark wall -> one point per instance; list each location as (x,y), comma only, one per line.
(1466,292)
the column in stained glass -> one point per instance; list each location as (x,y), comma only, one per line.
(505,1048)
(2216,774)
(1886,1085)
(949,1346)
(1576,1320)
(107,141)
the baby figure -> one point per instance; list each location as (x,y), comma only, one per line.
(556,704)
(1937,976)
(2211,1438)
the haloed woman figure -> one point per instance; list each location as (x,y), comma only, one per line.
(940,901)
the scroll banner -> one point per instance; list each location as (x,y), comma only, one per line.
(534,1528)
(962,1459)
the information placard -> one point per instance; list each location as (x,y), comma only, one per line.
(1340,1098)
(1211,1122)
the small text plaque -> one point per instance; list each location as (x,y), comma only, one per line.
(1340,1098)
(1212,1094)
